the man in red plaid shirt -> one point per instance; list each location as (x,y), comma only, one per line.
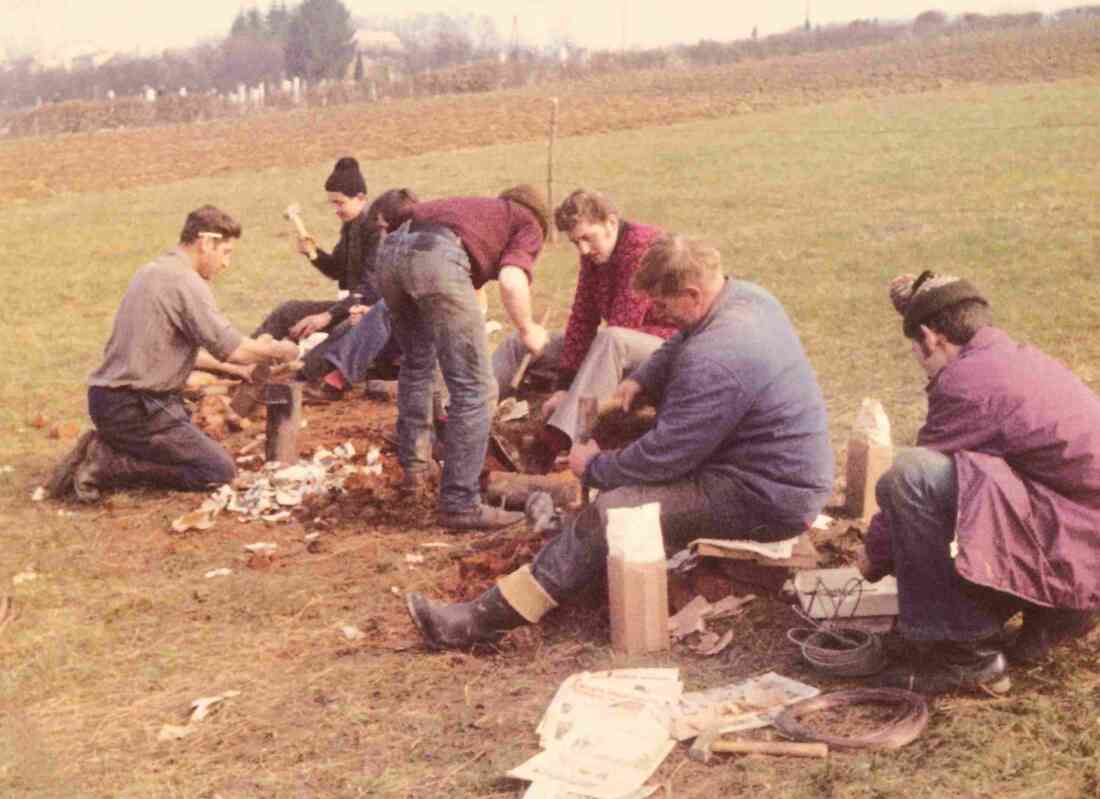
(588,360)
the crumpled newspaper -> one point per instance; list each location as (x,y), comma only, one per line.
(274,490)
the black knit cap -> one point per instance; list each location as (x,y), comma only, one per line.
(346,178)
(920,299)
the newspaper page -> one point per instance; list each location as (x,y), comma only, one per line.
(608,759)
(746,705)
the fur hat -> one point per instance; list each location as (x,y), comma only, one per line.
(346,178)
(919,299)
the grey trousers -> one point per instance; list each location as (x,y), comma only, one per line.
(614,354)
(508,356)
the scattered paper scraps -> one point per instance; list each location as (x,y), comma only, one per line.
(200,708)
(822,522)
(689,625)
(260,546)
(352,633)
(28,576)
(201,519)
(747,705)
(273,491)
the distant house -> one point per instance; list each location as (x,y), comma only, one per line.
(374,48)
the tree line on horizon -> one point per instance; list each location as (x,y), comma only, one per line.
(316,40)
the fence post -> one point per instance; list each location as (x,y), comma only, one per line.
(550,167)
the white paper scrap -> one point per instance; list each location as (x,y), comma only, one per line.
(38,494)
(218,573)
(261,546)
(200,708)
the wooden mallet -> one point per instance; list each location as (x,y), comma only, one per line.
(294,214)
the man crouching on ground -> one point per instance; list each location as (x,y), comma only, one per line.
(143,431)
(997,507)
(740,448)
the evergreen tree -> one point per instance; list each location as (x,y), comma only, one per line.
(319,40)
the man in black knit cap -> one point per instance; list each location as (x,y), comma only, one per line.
(298,319)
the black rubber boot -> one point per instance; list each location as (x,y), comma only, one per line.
(1046,628)
(951,666)
(465,623)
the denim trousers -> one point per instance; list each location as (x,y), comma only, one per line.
(156,429)
(578,554)
(919,495)
(425,281)
(355,353)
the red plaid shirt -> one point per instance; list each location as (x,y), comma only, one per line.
(604,294)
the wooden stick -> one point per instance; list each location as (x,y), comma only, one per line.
(284,420)
(588,409)
(517,378)
(771,748)
(550,164)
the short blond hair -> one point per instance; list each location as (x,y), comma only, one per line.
(673,263)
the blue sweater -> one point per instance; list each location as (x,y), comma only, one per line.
(740,411)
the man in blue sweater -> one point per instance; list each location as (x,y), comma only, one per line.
(740,448)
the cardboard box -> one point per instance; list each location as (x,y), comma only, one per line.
(637,580)
(638,597)
(843,593)
(867,462)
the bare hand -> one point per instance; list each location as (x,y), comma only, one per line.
(863,563)
(306,245)
(580,455)
(626,393)
(310,325)
(534,338)
(244,372)
(284,350)
(356,314)
(552,403)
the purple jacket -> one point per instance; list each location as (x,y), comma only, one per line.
(1025,436)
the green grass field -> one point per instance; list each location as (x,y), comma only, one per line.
(821,204)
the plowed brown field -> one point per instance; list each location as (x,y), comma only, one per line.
(34,168)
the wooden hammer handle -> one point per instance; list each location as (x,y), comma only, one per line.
(517,378)
(300,226)
(771,748)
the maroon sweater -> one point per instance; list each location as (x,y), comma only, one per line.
(495,232)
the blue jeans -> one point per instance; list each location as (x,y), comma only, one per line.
(578,554)
(919,495)
(355,353)
(156,429)
(425,281)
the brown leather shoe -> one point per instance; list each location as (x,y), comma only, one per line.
(481,517)
(321,393)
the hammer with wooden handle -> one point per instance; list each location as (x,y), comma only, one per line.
(710,741)
(587,416)
(293,213)
(517,378)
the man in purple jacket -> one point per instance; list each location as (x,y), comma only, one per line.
(997,508)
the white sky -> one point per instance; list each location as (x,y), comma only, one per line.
(51,26)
